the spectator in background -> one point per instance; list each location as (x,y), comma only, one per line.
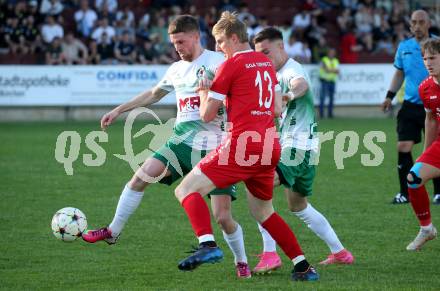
(174,12)
(345,20)
(312,8)
(125,51)
(3,15)
(14,36)
(400,32)
(32,35)
(211,17)
(105,13)
(244,13)
(350,4)
(51,7)
(20,11)
(301,22)
(104,27)
(319,50)
(297,49)
(74,50)
(109,5)
(54,54)
(305,55)
(160,28)
(125,17)
(249,30)
(291,46)
(93,54)
(147,55)
(387,5)
(32,10)
(315,32)
(51,30)
(85,18)
(144,26)
(227,5)
(259,25)
(399,12)
(382,36)
(204,30)
(349,48)
(106,50)
(364,26)
(328,74)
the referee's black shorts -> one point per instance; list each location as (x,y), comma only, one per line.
(410,122)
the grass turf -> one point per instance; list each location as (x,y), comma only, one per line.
(355,200)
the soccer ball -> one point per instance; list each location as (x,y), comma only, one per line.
(68,224)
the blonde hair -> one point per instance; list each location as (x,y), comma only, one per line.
(229,24)
(432,45)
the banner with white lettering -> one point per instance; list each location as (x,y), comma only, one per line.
(364,84)
(360,84)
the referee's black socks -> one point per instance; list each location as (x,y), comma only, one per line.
(404,164)
(436,183)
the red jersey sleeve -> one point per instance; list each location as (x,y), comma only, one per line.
(423,94)
(221,84)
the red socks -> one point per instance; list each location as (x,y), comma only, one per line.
(198,214)
(283,235)
(420,203)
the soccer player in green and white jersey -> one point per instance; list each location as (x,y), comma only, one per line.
(299,143)
(192,138)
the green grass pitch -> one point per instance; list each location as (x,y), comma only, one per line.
(33,186)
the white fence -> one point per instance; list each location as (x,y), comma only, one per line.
(363,84)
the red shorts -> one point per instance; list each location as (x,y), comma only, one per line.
(431,155)
(224,172)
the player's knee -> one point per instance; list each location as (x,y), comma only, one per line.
(223,219)
(137,184)
(296,202)
(297,207)
(179,192)
(414,180)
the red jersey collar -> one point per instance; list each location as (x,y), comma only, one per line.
(242,52)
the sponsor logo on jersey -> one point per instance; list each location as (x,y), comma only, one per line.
(189,104)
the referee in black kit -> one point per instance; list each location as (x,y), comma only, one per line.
(409,66)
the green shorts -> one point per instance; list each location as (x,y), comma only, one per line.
(296,174)
(178,158)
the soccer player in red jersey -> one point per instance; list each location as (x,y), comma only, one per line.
(246,82)
(427,166)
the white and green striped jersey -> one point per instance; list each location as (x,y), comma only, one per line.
(298,124)
(182,77)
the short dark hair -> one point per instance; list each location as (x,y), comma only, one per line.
(269,33)
(183,23)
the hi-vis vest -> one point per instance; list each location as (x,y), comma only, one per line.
(331,64)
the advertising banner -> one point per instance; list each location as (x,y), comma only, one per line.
(363,84)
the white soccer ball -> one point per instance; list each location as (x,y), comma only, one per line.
(68,224)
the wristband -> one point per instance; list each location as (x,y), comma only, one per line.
(390,94)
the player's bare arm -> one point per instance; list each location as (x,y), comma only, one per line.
(298,88)
(395,85)
(209,107)
(144,99)
(431,129)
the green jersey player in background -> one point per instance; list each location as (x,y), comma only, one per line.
(299,143)
(191,138)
